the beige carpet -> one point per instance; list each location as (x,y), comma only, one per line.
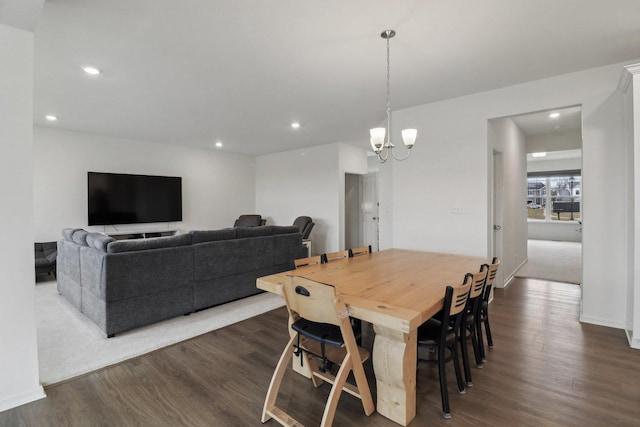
(555,261)
(70,345)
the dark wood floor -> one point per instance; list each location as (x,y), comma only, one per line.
(546,369)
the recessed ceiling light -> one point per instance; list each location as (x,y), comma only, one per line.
(219,144)
(541,154)
(554,115)
(91,70)
(295,125)
(51,117)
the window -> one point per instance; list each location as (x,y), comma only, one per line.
(554,196)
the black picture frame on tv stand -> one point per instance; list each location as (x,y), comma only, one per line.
(115,198)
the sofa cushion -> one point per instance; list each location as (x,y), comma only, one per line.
(91,237)
(99,241)
(284,229)
(286,247)
(145,244)
(67,233)
(230,257)
(243,232)
(212,235)
(102,242)
(80,236)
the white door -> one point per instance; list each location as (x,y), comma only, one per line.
(369,211)
(498,215)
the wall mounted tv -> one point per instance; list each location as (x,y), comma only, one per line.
(132,199)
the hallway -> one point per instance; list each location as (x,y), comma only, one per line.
(553,260)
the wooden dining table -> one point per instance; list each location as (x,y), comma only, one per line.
(396,290)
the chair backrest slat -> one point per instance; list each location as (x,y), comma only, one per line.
(362,250)
(493,270)
(303,262)
(313,301)
(460,294)
(332,256)
(478,282)
(491,277)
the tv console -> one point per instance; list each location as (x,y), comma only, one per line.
(140,234)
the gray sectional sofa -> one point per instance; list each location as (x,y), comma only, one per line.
(124,284)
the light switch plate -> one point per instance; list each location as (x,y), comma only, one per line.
(460,210)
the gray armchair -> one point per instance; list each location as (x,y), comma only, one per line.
(305,225)
(249,221)
(46,254)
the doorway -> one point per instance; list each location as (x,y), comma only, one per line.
(553,146)
(361,211)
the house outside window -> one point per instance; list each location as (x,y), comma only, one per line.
(554,196)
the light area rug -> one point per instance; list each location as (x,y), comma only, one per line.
(552,260)
(70,345)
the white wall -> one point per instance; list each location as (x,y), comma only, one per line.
(450,167)
(554,165)
(19,379)
(217,187)
(604,229)
(569,140)
(506,137)
(561,231)
(630,88)
(447,169)
(631,236)
(634,284)
(311,182)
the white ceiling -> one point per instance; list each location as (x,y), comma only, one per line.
(556,155)
(196,71)
(539,123)
(20,14)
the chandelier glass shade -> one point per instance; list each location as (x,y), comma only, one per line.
(381,146)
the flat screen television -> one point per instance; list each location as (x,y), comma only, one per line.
(116,198)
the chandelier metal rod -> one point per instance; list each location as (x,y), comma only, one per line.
(383,147)
(389,34)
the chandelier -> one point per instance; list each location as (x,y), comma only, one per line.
(381,147)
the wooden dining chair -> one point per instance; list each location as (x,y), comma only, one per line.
(320,321)
(483,318)
(334,256)
(362,250)
(469,322)
(303,262)
(440,336)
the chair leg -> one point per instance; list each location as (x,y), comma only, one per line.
(276,380)
(465,355)
(336,390)
(442,375)
(361,382)
(476,346)
(456,365)
(488,329)
(480,340)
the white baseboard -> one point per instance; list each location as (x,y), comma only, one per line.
(512,275)
(601,322)
(509,280)
(633,342)
(21,399)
